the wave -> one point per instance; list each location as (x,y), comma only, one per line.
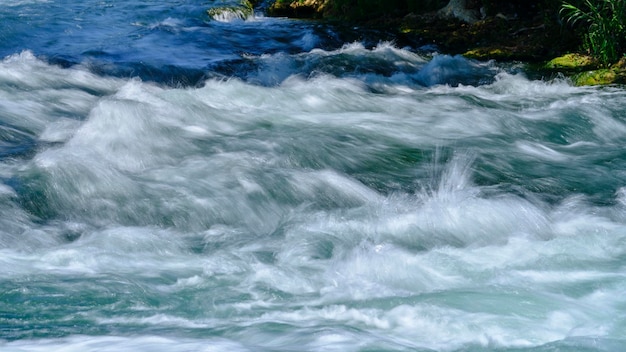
(321,210)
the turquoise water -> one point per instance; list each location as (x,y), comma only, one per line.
(170,181)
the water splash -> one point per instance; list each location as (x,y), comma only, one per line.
(345,198)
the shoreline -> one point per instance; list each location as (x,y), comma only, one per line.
(535,38)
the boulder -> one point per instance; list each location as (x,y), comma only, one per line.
(228,13)
(298,9)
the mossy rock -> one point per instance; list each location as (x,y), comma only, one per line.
(227,13)
(600,77)
(503,54)
(298,8)
(594,78)
(616,74)
(572,63)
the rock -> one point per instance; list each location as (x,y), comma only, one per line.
(594,78)
(585,70)
(572,62)
(613,75)
(490,53)
(460,9)
(228,13)
(298,9)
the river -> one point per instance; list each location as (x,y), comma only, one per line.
(170,181)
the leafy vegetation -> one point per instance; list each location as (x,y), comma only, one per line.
(605,21)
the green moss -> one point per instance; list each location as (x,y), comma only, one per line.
(298,8)
(489,54)
(242,11)
(616,74)
(572,62)
(593,78)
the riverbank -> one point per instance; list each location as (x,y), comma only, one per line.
(533,35)
(506,34)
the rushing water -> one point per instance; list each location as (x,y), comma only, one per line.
(170,181)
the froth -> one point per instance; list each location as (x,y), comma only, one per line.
(113,343)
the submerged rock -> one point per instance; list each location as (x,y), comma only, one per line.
(228,13)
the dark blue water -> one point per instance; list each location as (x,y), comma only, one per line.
(119,38)
(175,181)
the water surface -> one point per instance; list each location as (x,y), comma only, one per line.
(170,181)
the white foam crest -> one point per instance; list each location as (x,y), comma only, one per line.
(377,268)
(274,69)
(285,279)
(464,221)
(335,185)
(445,69)
(140,253)
(342,342)
(621,196)
(608,126)
(24,71)
(540,151)
(567,277)
(326,94)
(35,94)
(15,223)
(137,128)
(517,92)
(228,15)
(147,343)
(560,262)
(430,252)
(453,214)
(60,130)
(161,320)
(345,61)
(324,100)
(138,240)
(553,265)
(383,48)
(507,84)
(413,118)
(385,270)
(387,51)
(401,55)
(79,182)
(437,241)
(15,3)
(193,192)
(168,22)
(440,328)
(330,101)
(357,47)
(308,41)
(602,108)
(107,251)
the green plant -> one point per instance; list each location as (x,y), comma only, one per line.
(605,37)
